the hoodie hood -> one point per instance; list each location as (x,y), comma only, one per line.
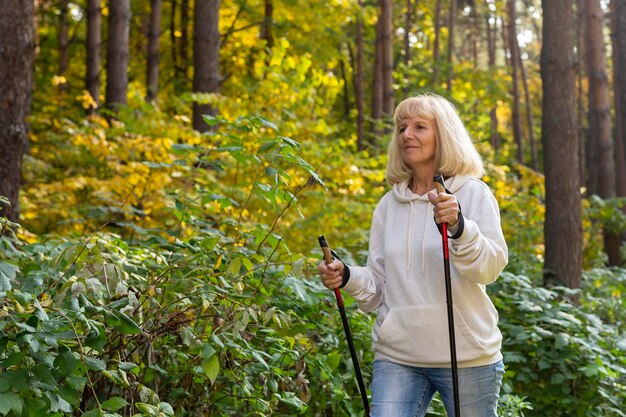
(403,194)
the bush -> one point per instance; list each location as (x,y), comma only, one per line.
(560,354)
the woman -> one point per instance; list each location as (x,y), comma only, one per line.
(404,277)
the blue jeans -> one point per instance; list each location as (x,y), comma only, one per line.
(406,391)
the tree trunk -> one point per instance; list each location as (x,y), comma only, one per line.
(268,24)
(94,48)
(358,79)
(600,116)
(377,82)
(406,53)
(183,48)
(408,24)
(436,44)
(599,101)
(491,54)
(173,39)
(16,68)
(581,103)
(387,56)
(474,34)
(618,9)
(117,53)
(64,41)
(206,57)
(529,113)
(517,126)
(618,36)
(346,86)
(451,19)
(563,218)
(154,32)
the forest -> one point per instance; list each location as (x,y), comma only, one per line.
(166,167)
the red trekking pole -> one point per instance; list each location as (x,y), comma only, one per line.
(438,180)
(328,258)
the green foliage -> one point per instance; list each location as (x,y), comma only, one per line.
(165,272)
(214,306)
(566,358)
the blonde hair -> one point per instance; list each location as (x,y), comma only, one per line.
(455,153)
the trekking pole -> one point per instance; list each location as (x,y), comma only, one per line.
(438,180)
(328,258)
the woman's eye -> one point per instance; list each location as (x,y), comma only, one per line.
(402,129)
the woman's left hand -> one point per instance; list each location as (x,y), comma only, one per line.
(446,208)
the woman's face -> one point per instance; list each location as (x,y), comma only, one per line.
(417,141)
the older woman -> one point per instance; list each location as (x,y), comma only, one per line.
(404,277)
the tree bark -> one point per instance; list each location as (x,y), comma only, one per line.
(618,39)
(152,67)
(387,56)
(267,32)
(599,116)
(408,24)
(451,19)
(563,218)
(173,40)
(94,49)
(436,43)
(512,38)
(117,53)
(17,49)
(618,9)
(183,48)
(491,59)
(377,82)
(358,79)
(64,41)
(206,56)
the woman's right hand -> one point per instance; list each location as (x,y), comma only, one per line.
(331,274)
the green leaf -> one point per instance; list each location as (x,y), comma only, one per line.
(210,120)
(92,413)
(96,338)
(13,359)
(122,323)
(165,410)
(147,409)
(292,399)
(8,272)
(94,364)
(561,340)
(10,402)
(65,362)
(16,380)
(114,403)
(211,368)
(71,396)
(43,376)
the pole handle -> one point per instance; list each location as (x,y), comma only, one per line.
(439,184)
(328,257)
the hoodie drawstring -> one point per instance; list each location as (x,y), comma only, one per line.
(408,238)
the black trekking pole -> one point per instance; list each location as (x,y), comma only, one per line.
(438,180)
(328,258)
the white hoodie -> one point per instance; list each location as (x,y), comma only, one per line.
(404,278)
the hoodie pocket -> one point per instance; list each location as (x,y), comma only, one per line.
(419,334)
